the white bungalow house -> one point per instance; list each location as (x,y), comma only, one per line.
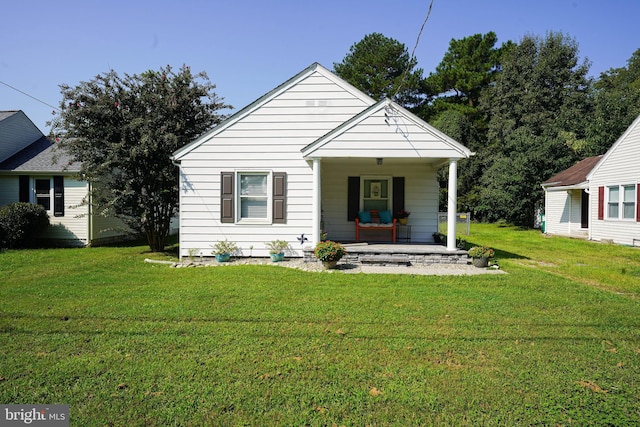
(306,158)
(33,171)
(599,198)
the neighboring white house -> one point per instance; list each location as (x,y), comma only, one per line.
(32,170)
(304,158)
(605,193)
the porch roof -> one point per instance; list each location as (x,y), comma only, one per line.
(386,130)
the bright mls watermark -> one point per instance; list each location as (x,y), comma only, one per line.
(34,415)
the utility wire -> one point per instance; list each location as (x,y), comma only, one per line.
(30,96)
(413,52)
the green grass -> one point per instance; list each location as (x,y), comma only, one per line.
(556,341)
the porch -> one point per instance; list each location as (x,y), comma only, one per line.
(384,254)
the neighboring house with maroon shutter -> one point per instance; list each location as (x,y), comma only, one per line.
(309,156)
(33,171)
(611,184)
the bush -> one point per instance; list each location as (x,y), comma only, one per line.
(21,224)
(328,251)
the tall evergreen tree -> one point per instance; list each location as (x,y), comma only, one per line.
(616,105)
(381,67)
(537,111)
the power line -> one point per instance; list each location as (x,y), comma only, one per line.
(30,96)
(413,52)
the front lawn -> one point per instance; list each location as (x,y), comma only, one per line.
(556,341)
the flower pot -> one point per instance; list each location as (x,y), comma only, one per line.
(403,221)
(277,257)
(480,262)
(328,265)
(223,257)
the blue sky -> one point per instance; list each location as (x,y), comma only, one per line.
(248,47)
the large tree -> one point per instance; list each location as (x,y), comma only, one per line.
(537,108)
(381,67)
(469,66)
(616,105)
(123,130)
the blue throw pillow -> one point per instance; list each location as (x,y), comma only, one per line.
(385,217)
(364,216)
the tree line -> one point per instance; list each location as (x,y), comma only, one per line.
(528,110)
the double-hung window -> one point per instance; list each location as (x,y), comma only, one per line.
(621,202)
(43,192)
(375,193)
(253,201)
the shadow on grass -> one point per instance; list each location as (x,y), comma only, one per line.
(499,253)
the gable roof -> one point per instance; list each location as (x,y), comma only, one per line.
(575,176)
(615,145)
(40,156)
(7,114)
(313,68)
(398,133)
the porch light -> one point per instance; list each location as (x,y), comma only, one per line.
(379,161)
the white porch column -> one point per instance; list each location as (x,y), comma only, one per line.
(452,205)
(316,203)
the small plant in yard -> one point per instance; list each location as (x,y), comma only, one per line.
(277,246)
(329,251)
(481,252)
(223,247)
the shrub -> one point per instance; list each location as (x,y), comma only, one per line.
(224,247)
(328,251)
(21,224)
(481,252)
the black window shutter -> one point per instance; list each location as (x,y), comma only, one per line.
(353,197)
(398,194)
(279,197)
(23,189)
(58,196)
(226,196)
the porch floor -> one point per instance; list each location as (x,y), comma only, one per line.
(398,254)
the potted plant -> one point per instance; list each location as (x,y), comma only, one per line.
(276,249)
(223,250)
(480,255)
(403,216)
(329,253)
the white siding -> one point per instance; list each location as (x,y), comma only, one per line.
(621,165)
(269,139)
(71,229)
(563,212)
(421,195)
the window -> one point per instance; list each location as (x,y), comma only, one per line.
(254,197)
(629,202)
(613,204)
(621,202)
(376,193)
(43,193)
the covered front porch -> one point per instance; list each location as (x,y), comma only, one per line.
(400,254)
(384,160)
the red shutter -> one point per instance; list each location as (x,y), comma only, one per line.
(600,203)
(638,202)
